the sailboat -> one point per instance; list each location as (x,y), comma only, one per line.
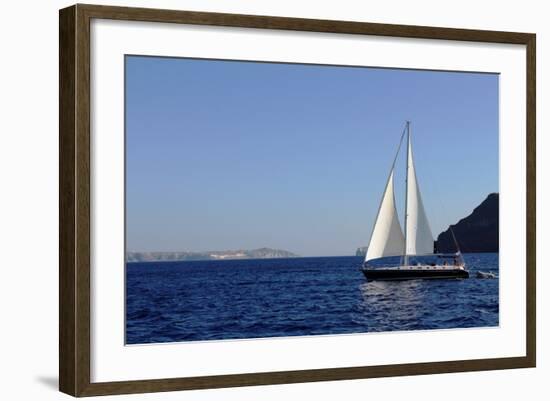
(415,247)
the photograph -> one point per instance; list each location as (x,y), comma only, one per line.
(270,199)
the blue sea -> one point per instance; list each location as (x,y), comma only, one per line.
(232,299)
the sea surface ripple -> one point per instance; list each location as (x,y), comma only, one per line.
(235,299)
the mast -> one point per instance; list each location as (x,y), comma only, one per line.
(405,257)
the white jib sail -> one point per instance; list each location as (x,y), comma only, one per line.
(387,237)
(419,236)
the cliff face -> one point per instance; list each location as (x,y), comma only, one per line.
(476,233)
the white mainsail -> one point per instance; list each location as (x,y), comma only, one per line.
(419,238)
(387,237)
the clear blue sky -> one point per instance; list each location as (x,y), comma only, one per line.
(241,155)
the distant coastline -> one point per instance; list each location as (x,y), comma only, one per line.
(260,253)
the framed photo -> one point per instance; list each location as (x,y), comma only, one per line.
(313,200)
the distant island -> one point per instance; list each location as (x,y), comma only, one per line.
(478,232)
(361,251)
(261,253)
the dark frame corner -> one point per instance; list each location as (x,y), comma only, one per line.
(74,199)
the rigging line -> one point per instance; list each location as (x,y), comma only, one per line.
(437,196)
(399,147)
(454,238)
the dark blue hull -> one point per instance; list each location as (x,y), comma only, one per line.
(413,274)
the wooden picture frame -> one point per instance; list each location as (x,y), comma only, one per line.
(74,203)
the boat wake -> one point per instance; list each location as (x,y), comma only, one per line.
(486,275)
